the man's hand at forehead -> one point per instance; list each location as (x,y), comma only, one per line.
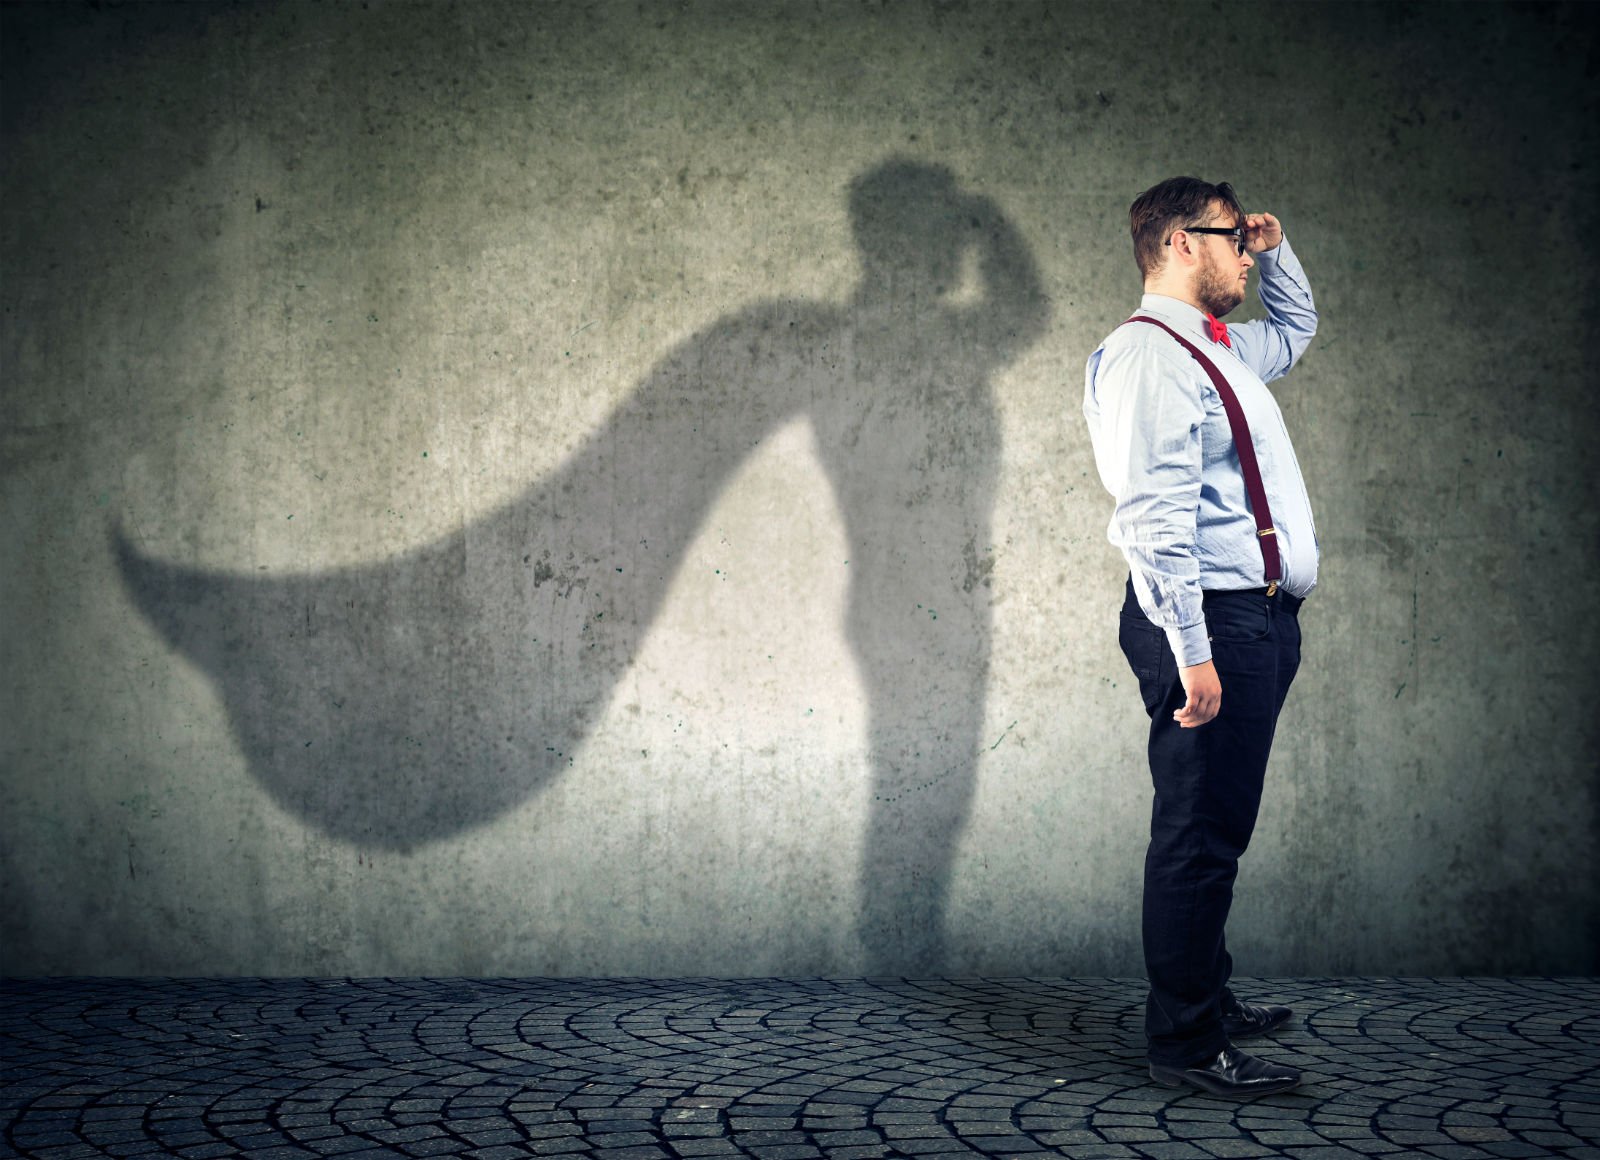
(1261,232)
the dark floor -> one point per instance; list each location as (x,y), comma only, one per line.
(778,1069)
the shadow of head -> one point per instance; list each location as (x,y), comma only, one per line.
(912,222)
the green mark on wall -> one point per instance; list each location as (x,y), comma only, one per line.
(1002,736)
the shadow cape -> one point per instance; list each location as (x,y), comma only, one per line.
(410,700)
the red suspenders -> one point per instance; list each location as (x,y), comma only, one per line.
(1266,534)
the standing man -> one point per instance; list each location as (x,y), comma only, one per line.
(1213,517)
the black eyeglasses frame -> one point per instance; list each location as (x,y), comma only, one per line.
(1235,233)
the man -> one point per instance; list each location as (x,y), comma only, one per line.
(1210,622)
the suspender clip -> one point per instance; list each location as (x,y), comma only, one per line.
(1267,532)
(1272,587)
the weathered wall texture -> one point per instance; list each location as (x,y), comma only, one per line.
(600,489)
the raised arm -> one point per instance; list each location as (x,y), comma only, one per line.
(1272,345)
(1014,310)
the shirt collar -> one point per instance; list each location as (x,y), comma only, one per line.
(1176,311)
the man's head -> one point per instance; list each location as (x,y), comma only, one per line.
(1175,255)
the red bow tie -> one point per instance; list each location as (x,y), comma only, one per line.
(1219,331)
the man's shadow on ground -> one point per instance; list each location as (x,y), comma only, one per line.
(402,702)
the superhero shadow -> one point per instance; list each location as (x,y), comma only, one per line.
(406,701)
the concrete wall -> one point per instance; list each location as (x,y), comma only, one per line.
(600,489)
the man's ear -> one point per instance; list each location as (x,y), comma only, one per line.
(1183,250)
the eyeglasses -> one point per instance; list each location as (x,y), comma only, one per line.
(1236,234)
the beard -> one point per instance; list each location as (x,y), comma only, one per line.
(1218,291)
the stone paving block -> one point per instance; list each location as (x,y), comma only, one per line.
(486,1138)
(1105,1119)
(199,1152)
(1195,1131)
(941,1146)
(718,1146)
(437,1146)
(254,1139)
(557,1147)
(817,1124)
(772,1139)
(829,1140)
(1067,1139)
(1417,1139)
(1228,1149)
(619,1140)
(785,1151)
(1131,1135)
(336,1145)
(1172,1150)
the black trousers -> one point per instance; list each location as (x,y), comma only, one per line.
(1207,790)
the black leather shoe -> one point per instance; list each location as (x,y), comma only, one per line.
(1232,1073)
(1253,1019)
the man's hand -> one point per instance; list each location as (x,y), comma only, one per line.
(1261,232)
(1205,695)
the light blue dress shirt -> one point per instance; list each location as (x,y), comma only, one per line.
(1165,452)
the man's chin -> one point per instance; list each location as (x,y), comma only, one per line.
(1223,309)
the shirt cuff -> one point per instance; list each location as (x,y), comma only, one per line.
(1270,257)
(1191,645)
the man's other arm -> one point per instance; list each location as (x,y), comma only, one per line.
(1272,345)
(1150,407)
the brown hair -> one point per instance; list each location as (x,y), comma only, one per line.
(1171,205)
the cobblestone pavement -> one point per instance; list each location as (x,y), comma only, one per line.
(777,1069)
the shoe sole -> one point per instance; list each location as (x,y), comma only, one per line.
(1179,1079)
